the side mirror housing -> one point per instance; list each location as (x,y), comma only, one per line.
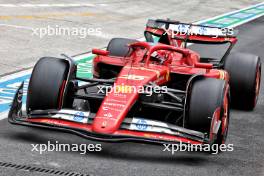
(100,52)
(204,65)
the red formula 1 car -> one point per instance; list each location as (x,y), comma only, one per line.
(141,92)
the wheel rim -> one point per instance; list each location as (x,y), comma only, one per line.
(257,85)
(225,118)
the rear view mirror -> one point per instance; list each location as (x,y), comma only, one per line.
(203,65)
(100,52)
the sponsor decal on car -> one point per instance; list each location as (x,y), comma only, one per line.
(139,124)
(71,115)
(115,100)
(106,118)
(108,115)
(133,77)
(78,117)
(120,95)
(110,109)
(114,105)
(142,124)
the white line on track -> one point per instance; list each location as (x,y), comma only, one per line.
(16,26)
(15,75)
(3,115)
(50,5)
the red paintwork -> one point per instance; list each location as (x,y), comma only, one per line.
(138,70)
(109,121)
(100,52)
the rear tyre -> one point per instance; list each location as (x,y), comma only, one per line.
(116,47)
(207,95)
(119,47)
(245,75)
(47,84)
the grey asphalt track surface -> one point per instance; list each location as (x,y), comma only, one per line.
(246,133)
(20,48)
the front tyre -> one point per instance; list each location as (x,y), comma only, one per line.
(47,84)
(208,101)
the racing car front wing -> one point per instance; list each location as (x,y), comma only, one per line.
(133,129)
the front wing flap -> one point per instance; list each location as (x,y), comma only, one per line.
(132,129)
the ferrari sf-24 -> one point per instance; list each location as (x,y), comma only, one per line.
(191,103)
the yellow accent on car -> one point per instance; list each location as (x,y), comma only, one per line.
(222,74)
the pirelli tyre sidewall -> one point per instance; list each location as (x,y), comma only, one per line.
(245,74)
(47,84)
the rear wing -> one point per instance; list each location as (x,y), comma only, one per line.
(191,29)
